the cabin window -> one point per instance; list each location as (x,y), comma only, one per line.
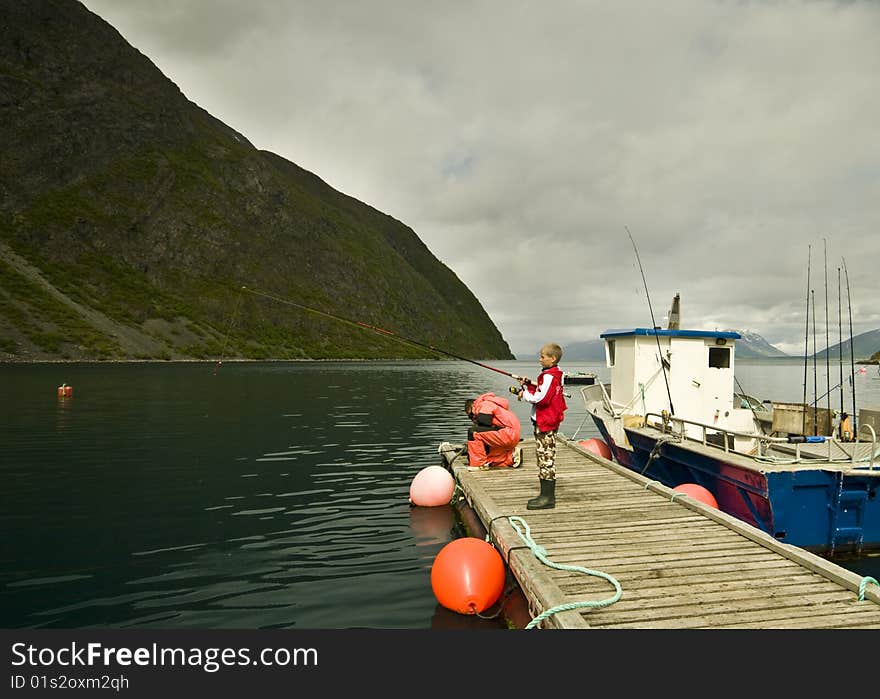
(609,347)
(719,357)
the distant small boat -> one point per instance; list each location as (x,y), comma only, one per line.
(580,377)
(671,413)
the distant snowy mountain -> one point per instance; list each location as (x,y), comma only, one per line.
(751,345)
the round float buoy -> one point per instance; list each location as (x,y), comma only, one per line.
(596,446)
(468,575)
(432,486)
(64,391)
(697,492)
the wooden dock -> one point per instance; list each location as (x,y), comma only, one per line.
(680,564)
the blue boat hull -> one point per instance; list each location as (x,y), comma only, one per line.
(816,509)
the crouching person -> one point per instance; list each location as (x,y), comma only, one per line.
(493,440)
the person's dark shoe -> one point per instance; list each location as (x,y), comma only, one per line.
(547,498)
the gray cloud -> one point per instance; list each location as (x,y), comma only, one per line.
(519,139)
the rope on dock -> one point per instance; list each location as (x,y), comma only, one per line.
(540,554)
(867,579)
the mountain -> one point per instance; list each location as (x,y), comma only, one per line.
(130,220)
(865,346)
(751,345)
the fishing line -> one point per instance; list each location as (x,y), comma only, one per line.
(228,328)
(380,331)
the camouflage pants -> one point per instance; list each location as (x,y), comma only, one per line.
(545,450)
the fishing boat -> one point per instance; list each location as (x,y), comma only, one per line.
(671,412)
(579,377)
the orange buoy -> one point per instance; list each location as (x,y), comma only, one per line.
(468,575)
(596,446)
(697,492)
(432,486)
(64,391)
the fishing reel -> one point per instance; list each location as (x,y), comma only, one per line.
(515,390)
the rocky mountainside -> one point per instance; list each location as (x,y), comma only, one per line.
(130,220)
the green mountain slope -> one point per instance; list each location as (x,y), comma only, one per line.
(130,219)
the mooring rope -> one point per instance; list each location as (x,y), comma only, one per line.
(540,554)
(867,579)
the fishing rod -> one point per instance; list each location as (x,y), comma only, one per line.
(381,331)
(852,354)
(815,388)
(806,346)
(653,324)
(827,346)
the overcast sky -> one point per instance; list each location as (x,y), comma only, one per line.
(520,141)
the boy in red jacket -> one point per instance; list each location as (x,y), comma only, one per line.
(548,408)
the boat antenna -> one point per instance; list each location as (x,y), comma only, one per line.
(827,346)
(380,331)
(653,324)
(852,354)
(815,391)
(839,339)
(806,347)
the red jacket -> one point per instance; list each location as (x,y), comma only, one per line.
(547,399)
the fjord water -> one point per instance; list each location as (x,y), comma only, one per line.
(251,495)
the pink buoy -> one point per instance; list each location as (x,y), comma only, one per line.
(432,486)
(596,446)
(468,575)
(697,492)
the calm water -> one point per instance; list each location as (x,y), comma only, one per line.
(262,495)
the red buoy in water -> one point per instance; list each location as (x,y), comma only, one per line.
(697,492)
(468,575)
(65,391)
(596,446)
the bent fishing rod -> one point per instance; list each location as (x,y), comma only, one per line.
(382,331)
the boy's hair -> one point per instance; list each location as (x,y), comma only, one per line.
(468,404)
(551,349)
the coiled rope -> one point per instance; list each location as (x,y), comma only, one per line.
(541,554)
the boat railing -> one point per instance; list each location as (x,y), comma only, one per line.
(667,424)
(615,410)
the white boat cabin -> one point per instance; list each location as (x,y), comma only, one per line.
(698,377)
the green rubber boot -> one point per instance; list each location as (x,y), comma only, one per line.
(546,499)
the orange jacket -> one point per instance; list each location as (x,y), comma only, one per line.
(499,409)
